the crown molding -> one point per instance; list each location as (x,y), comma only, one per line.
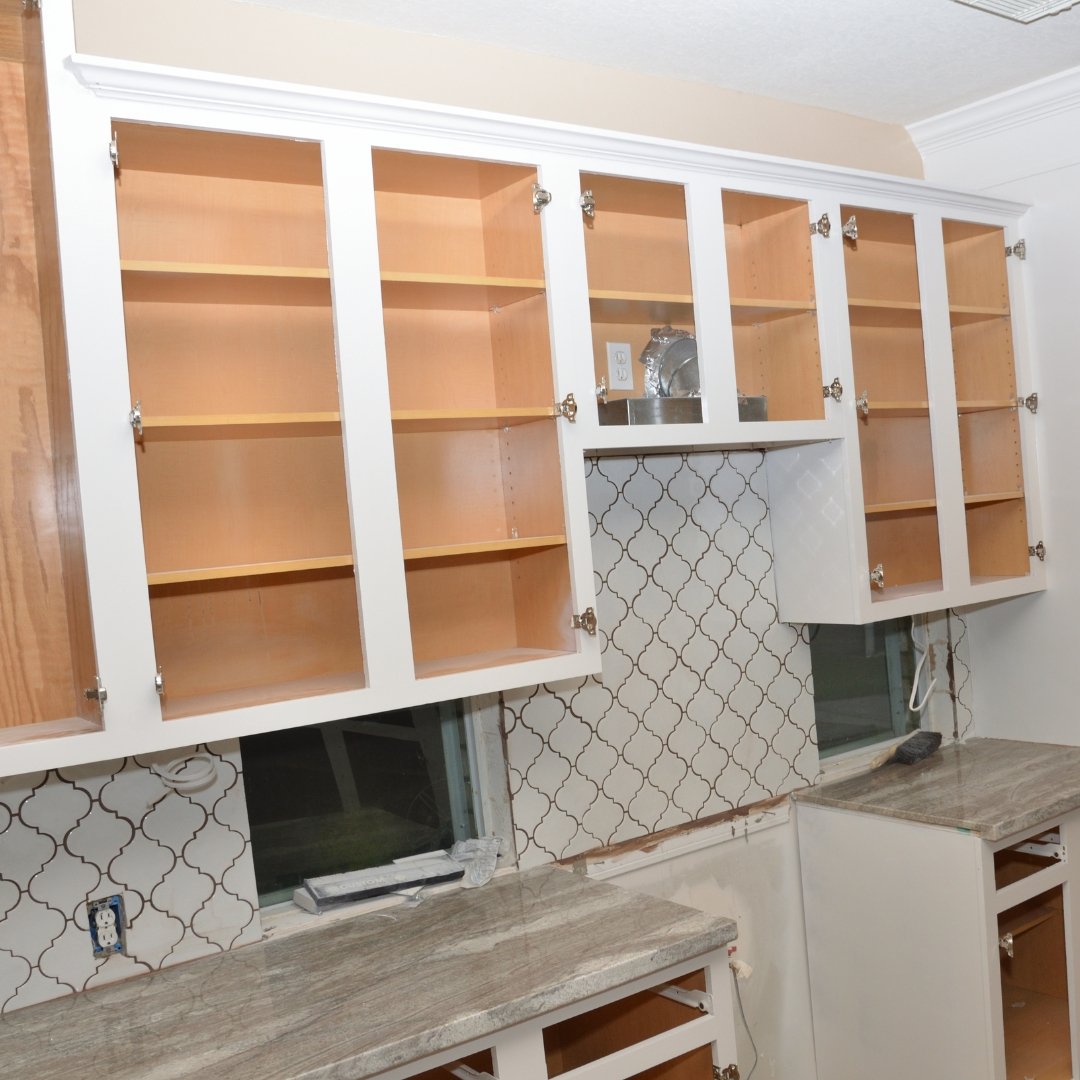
(1059,93)
(152,84)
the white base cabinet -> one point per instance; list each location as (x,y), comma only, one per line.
(675,1025)
(935,953)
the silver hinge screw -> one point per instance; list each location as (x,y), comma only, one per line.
(540,198)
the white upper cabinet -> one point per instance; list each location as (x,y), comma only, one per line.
(334,363)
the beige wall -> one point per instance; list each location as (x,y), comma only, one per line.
(246,39)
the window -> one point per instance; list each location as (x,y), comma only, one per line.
(355,793)
(862,683)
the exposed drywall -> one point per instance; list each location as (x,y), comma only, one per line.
(1023,146)
(245,39)
(755,880)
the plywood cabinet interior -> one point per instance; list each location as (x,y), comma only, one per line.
(46,649)
(889,365)
(773,305)
(476,451)
(637,252)
(986,397)
(230,347)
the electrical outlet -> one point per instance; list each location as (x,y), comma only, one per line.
(620,370)
(106,924)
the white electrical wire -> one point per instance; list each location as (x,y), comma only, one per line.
(187,774)
(742,1013)
(923,651)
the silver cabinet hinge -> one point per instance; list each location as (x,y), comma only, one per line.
(114,154)
(1019,249)
(850,229)
(587,202)
(834,390)
(1037,551)
(877,577)
(731,1072)
(821,227)
(135,418)
(602,390)
(31,5)
(159,682)
(540,198)
(567,407)
(585,621)
(1005,943)
(1031,402)
(97,693)
(862,404)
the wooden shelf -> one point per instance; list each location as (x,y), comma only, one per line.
(967,313)
(893,313)
(904,506)
(988,405)
(476,661)
(205,424)
(455,292)
(747,312)
(898,408)
(992,497)
(160,266)
(610,306)
(484,547)
(405,420)
(242,570)
(176,706)
(224,283)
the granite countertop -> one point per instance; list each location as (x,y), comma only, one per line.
(364,994)
(990,787)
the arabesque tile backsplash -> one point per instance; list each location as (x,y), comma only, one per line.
(181,862)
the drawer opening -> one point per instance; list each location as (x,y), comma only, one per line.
(1028,857)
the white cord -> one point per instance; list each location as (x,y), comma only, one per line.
(188,774)
(923,651)
(742,1013)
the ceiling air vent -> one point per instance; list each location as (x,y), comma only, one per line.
(1024,11)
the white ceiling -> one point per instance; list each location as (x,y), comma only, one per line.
(891,60)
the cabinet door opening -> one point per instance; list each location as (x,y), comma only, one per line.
(773,307)
(1034,988)
(47,657)
(987,400)
(637,251)
(895,445)
(239,453)
(476,450)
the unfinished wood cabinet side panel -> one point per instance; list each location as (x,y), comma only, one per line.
(214,219)
(1038,962)
(513,245)
(460,606)
(769,255)
(212,358)
(228,501)
(889,363)
(990,452)
(792,359)
(897,460)
(450,487)
(429,233)
(975,265)
(37,681)
(592,1035)
(542,600)
(639,253)
(439,359)
(521,354)
(13,17)
(983,360)
(532,479)
(906,545)
(998,539)
(54,340)
(751,360)
(220,636)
